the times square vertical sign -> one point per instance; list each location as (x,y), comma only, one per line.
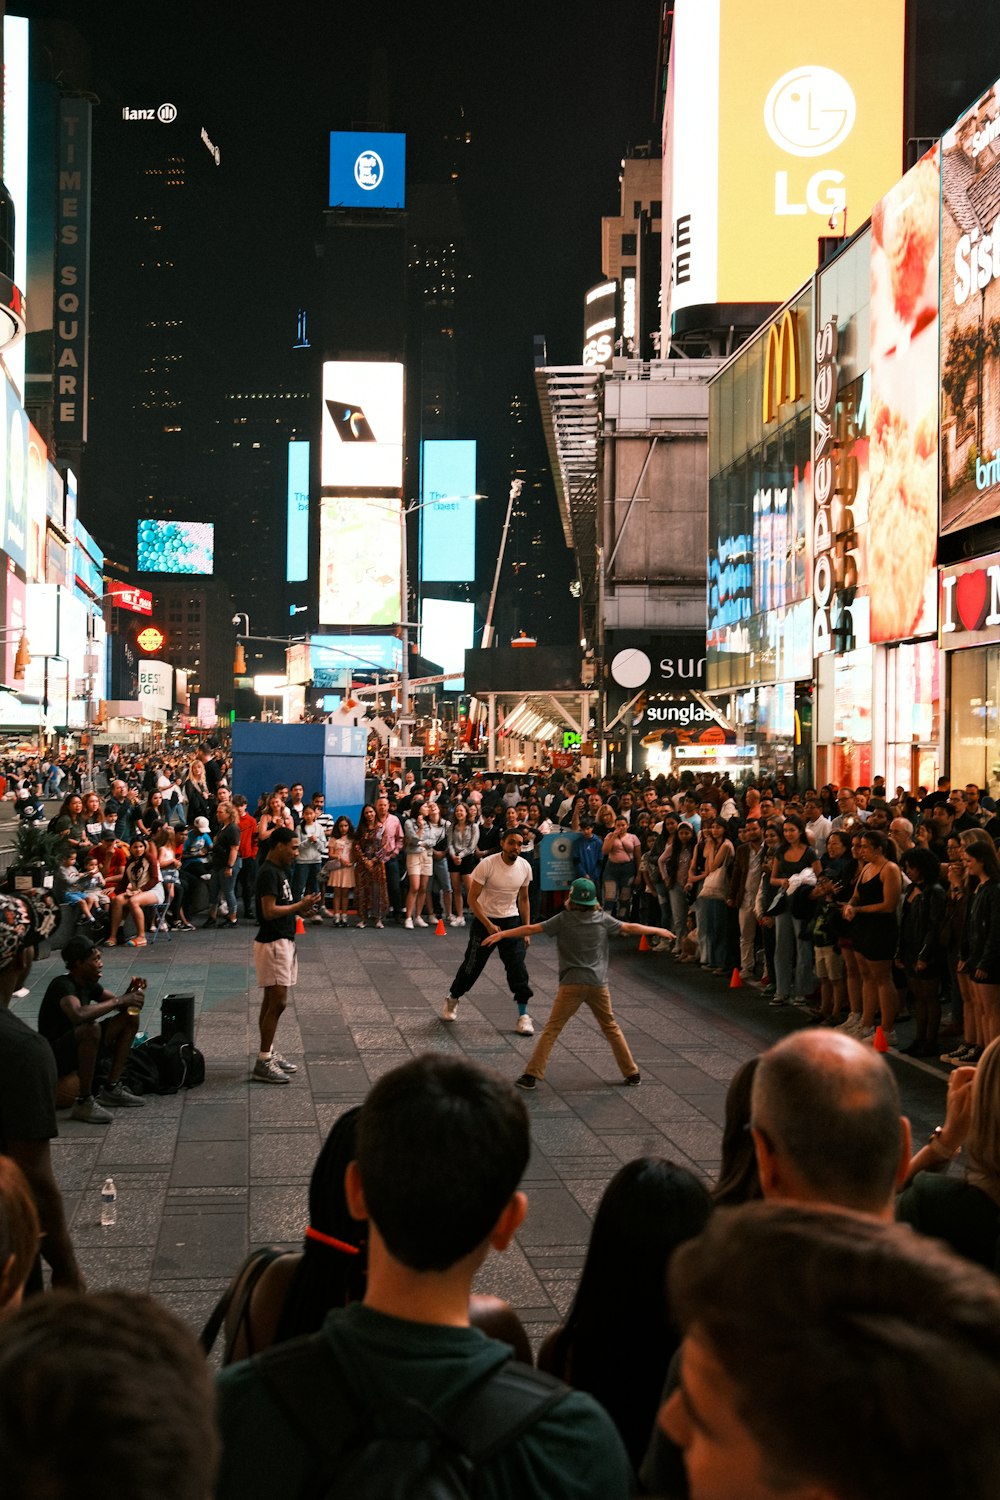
(72,274)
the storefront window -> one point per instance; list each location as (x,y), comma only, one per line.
(852,724)
(913,716)
(975,726)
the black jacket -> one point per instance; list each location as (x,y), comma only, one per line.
(921,929)
(981,938)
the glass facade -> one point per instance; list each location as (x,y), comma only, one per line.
(974,721)
(760,511)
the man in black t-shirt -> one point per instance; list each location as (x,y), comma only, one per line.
(28,1108)
(80,1020)
(274,948)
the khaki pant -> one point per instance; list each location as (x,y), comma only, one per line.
(569,998)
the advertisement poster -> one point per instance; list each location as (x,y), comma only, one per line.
(175,547)
(362,432)
(902,457)
(359,561)
(555,861)
(156,685)
(970,318)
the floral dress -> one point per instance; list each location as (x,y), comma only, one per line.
(369,876)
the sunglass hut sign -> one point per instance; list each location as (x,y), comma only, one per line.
(970,603)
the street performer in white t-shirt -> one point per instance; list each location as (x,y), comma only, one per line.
(498,899)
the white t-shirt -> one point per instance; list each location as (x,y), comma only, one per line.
(501,884)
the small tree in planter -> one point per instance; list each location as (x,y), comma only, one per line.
(35,856)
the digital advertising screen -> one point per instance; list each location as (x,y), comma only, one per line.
(175,547)
(970,317)
(448,626)
(903,423)
(297,535)
(362,425)
(332,655)
(448,517)
(781,125)
(360,557)
(15,161)
(367,169)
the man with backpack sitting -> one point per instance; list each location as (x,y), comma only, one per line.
(397,1394)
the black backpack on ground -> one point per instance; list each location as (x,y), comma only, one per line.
(164,1066)
(370,1444)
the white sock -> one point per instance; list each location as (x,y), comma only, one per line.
(264,1056)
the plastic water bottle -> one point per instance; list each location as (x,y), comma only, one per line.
(109,1204)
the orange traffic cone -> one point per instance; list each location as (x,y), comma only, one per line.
(736,983)
(879,1042)
(439,929)
(300,927)
(643,945)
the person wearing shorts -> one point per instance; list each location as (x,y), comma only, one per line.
(274,948)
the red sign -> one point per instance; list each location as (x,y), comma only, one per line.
(126,596)
(562,760)
(150,639)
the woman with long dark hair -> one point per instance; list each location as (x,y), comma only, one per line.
(738,1180)
(674,866)
(921,954)
(619,1336)
(871,912)
(981,946)
(795,977)
(371,892)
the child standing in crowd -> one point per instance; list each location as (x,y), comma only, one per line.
(340,869)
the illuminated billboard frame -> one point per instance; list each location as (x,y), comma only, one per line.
(970,318)
(297,533)
(448,631)
(448,516)
(186,547)
(331,655)
(778,127)
(362,425)
(367,169)
(360,561)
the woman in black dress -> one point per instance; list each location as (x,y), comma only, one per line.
(981,948)
(871,912)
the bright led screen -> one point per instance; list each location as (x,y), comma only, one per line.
(359,561)
(297,536)
(331,655)
(447,634)
(448,519)
(175,547)
(367,169)
(362,425)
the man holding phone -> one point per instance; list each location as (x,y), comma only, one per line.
(82,1021)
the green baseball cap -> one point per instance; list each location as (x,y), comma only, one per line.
(583,893)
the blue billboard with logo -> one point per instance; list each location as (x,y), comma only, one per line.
(367,169)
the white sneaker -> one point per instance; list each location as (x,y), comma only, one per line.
(524,1026)
(452,921)
(409,923)
(852,1023)
(417,922)
(450,1010)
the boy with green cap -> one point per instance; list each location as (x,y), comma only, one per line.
(581,931)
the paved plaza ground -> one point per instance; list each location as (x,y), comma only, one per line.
(204,1175)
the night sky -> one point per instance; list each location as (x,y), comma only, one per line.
(553,94)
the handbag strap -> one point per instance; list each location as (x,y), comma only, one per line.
(243,1283)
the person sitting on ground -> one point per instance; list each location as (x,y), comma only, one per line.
(275,1297)
(619,1337)
(442,1146)
(582,932)
(149,1418)
(789,1311)
(83,1022)
(962,1211)
(20,1233)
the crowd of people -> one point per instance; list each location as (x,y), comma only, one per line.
(677,1370)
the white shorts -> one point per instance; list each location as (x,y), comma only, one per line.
(276,963)
(829,964)
(420,862)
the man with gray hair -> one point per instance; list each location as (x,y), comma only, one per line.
(901,833)
(826,1124)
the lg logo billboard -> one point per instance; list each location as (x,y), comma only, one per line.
(810,111)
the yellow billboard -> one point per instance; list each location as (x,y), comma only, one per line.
(788,122)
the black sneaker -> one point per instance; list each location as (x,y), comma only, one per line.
(632,1081)
(526,1081)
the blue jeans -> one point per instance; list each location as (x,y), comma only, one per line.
(678,913)
(618,882)
(223,883)
(793,959)
(305,880)
(712,923)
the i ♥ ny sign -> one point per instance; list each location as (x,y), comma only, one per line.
(970,603)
